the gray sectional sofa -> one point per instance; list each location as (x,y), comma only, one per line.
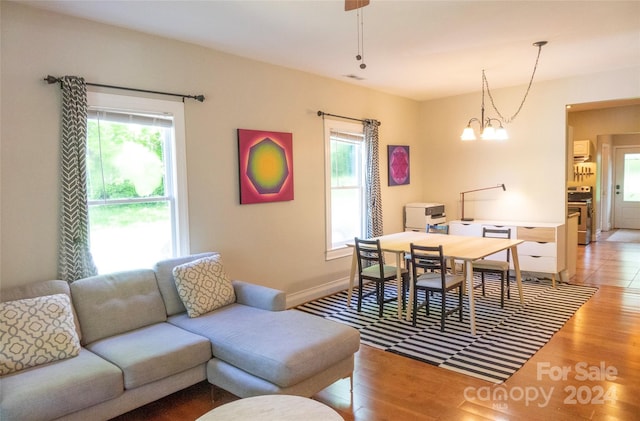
(138,344)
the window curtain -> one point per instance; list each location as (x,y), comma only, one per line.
(372,180)
(74,260)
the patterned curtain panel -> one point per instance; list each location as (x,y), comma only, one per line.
(372,180)
(74,260)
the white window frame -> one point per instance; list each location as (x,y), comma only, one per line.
(176,154)
(351,128)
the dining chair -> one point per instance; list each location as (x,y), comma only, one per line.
(498,267)
(371,267)
(433,229)
(430,274)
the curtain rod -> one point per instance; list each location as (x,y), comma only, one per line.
(322,114)
(52,79)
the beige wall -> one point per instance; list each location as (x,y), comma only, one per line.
(287,238)
(246,94)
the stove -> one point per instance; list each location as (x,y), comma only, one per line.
(579,194)
(580,199)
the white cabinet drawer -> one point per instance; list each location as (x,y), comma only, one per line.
(532,248)
(468,230)
(501,227)
(544,264)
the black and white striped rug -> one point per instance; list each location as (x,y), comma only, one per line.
(505,337)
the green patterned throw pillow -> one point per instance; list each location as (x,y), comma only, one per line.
(36,331)
(203,285)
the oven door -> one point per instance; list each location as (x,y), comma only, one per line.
(580,208)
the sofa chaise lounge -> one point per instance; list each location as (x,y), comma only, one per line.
(137,343)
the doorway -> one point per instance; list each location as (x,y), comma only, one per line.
(626,200)
(610,125)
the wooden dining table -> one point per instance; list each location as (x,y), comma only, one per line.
(455,247)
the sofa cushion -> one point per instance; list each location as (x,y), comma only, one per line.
(153,352)
(39,289)
(283,347)
(167,285)
(203,285)
(115,303)
(59,388)
(35,331)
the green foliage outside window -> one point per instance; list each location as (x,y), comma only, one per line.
(343,164)
(124,161)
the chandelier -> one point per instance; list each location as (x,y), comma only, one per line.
(487,129)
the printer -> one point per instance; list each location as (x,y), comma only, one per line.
(418,215)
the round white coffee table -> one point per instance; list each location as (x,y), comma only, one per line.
(272,408)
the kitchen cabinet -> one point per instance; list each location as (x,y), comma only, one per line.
(543,250)
(582,150)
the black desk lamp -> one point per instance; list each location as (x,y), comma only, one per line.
(471,191)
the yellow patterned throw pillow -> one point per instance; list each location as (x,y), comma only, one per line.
(203,285)
(36,331)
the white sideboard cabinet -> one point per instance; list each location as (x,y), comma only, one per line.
(543,250)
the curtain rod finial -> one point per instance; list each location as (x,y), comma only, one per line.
(51,79)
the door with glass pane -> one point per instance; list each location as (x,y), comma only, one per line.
(627,188)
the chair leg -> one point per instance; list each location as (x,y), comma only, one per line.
(405,285)
(501,289)
(443,310)
(359,295)
(427,304)
(415,305)
(482,277)
(380,299)
(460,301)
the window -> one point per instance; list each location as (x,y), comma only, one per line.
(345,158)
(136,181)
(631,181)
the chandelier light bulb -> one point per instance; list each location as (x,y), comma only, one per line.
(501,134)
(489,133)
(468,134)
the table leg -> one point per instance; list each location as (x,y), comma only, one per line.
(352,275)
(516,268)
(399,279)
(410,298)
(472,306)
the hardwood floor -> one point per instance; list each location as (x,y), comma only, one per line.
(598,350)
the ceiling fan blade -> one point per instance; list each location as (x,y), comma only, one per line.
(354,4)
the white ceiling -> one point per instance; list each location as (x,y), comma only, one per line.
(418,49)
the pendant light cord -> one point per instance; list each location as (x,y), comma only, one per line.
(360,29)
(486,84)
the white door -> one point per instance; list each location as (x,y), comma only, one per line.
(606,178)
(627,188)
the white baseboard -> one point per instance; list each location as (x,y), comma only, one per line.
(310,294)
